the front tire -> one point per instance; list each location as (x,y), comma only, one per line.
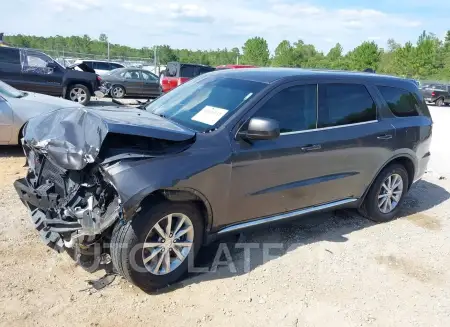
(386,194)
(152,250)
(79,93)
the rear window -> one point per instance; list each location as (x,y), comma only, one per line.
(343,104)
(115,66)
(9,55)
(102,66)
(401,102)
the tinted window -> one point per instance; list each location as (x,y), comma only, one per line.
(401,102)
(294,108)
(115,66)
(203,70)
(9,55)
(189,71)
(102,65)
(342,104)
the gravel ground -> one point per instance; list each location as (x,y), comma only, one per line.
(335,269)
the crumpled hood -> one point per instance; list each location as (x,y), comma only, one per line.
(72,137)
(82,66)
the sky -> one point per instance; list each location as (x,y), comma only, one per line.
(212,24)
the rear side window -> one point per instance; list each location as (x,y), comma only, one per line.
(115,66)
(189,71)
(343,104)
(294,108)
(102,66)
(401,102)
(9,56)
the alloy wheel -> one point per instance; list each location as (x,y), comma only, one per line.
(390,193)
(117,92)
(77,94)
(168,244)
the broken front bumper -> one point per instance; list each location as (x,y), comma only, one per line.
(54,231)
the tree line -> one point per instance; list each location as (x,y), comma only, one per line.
(427,58)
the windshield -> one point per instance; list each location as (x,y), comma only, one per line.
(8,91)
(205,102)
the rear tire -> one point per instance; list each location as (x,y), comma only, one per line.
(117,92)
(373,206)
(439,102)
(128,251)
(79,93)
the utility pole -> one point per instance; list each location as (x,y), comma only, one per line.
(154,59)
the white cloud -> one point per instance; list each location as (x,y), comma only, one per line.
(61,5)
(200,24)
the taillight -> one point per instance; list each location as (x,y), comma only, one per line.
(179,82)
(99,78)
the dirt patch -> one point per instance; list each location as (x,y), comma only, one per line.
(410,268)
(425,221)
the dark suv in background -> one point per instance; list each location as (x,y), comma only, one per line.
(34,71)
(224,152)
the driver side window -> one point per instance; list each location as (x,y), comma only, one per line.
(36,62)
(294,108)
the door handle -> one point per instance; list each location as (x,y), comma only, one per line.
(384,137)
(311,147)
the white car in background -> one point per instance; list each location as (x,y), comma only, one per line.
(17,107)
(100,67)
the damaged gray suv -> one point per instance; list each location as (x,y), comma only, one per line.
(228,150)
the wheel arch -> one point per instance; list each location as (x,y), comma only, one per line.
(403,159)
(182,195)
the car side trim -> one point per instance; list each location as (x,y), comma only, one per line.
(286,215)
(331,127)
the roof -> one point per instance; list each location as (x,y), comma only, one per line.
(95,60)
(270,75)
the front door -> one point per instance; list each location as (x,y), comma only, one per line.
(264,173)
(38,76)
(151,84)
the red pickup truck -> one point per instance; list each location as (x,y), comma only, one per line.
(177,73)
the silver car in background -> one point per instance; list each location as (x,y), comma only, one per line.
(17,107)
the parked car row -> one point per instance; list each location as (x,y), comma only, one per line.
(34,71)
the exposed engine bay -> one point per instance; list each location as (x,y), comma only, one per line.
(72,197)
(68,203)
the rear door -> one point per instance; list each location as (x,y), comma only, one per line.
(38,76)
(10,67)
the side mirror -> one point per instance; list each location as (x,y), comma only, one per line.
(261,129)
(52,65)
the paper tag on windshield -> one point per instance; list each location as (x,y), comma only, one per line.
(210,115)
